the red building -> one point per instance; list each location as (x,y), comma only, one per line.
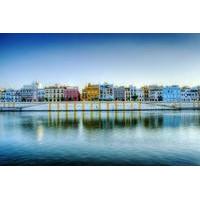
(72,94)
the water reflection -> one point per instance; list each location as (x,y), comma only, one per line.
(86,138)
(58,120)
(155,120)
(40,133)
(105,120)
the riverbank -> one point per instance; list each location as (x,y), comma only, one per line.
(97,106)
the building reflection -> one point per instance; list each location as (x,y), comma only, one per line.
(104,120)
(58,120)
(40,133)
(122,120)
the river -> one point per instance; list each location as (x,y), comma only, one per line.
(147,138)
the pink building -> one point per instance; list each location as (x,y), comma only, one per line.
(72,94)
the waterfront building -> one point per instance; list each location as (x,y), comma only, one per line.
(189,94)
(41,95)
(72,94)
(145,91)
(130,93)
(139,94)
(29,93)
(11,95)
(155,93)
(106,92)
(1,94)
(119,93)
(198,88)
(172,93)
(90,93)
(55,92)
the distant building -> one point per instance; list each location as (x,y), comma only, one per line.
(198,88)
(189,94)
(72,94)
(130,93)
(55,92)
(139,94)
(119,93)
(106,92)
(172,93)
(29,93)
(91,93)
(155,93)
(145,91)
(1,94)
(41,95)
(11,95)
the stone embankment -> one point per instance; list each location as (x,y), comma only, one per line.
(97,106)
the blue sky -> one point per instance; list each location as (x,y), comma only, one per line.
(76,59)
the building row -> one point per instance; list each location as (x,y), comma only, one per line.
(36,93)
(108,92)
(102,92)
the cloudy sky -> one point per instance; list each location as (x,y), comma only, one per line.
(76,59)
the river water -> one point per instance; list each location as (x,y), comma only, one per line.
(151,138)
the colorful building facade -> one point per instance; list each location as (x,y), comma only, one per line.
(106,92)
(11,95)
(172,93)
(90,93)
(72,94)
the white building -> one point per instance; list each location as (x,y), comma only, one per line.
(130,93)
(140,94)
(106,92)
(30,93)
(189,94)
(155,93)
(55,92)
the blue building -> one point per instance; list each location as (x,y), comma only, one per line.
(172,93)
(11,95)
(106,92)
(40,94)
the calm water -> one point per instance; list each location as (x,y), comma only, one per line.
(100,138)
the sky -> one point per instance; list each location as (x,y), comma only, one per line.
(121,59)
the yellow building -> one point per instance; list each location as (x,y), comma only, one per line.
(90,93)
(145,91)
